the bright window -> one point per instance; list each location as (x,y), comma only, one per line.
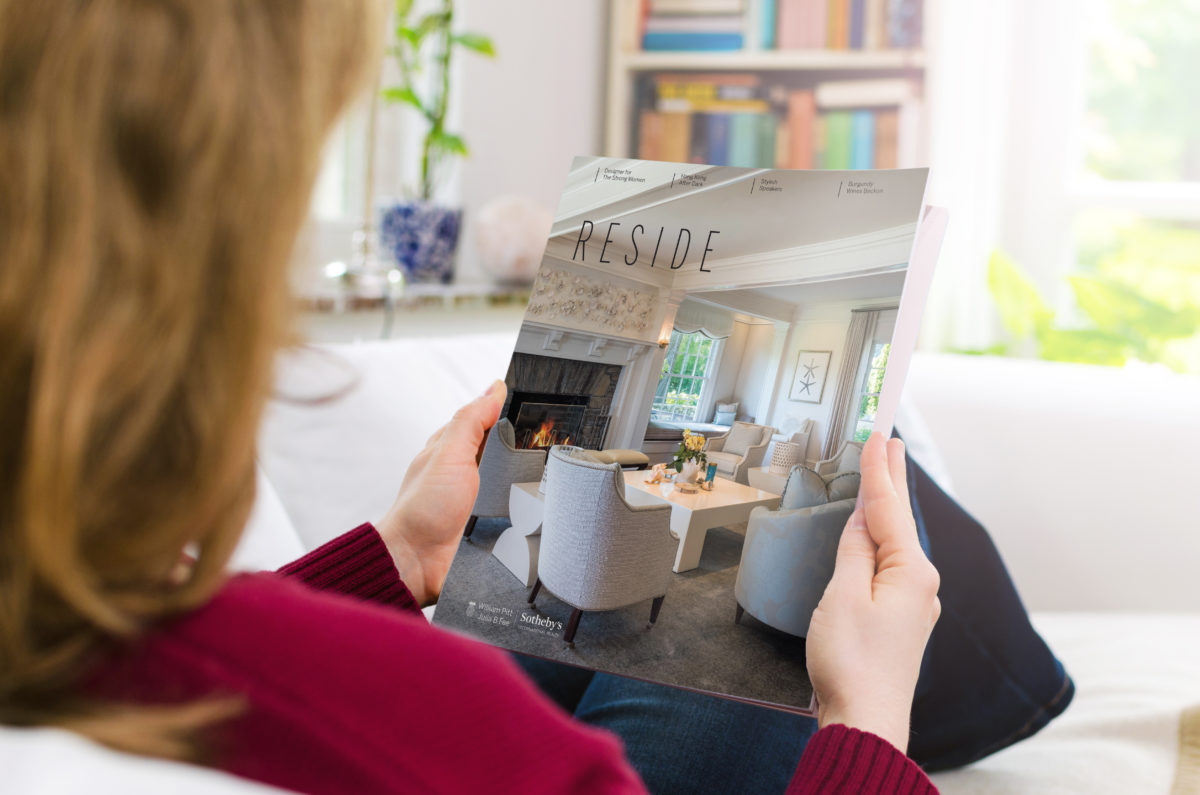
(872,383)
(1103,235)
(690,362)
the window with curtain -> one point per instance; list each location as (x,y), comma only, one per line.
(872,383)
(690,362)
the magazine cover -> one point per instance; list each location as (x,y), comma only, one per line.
(704,351)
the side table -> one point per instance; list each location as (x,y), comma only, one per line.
(763,478)
(517,547)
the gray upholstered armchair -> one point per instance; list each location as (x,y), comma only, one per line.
(598,552)
(739,449)
(845,460)
(788,554)
(502,465)
(787,560)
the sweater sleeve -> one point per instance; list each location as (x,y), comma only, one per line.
(355,564)
(839,759)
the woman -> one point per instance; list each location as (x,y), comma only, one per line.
(155,164)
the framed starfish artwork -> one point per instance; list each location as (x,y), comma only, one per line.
(808,382)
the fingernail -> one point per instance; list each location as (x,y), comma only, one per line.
(491,389)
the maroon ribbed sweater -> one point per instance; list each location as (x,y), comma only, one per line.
(347,689)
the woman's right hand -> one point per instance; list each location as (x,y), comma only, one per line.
(869,631)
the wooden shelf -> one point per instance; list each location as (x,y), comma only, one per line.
(771,60)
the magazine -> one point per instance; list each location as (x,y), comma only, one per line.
(704,351)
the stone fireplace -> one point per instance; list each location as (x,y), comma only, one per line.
(553,400)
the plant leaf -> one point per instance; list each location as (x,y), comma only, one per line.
(403,9)
(411,35)
(474,41)
(1085,346)
(431,22)
(447,142)
(404,95)
(1114,306)
(1022,309)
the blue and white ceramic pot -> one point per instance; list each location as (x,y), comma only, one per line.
(421,237)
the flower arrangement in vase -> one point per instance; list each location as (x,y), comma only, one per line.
(690,457)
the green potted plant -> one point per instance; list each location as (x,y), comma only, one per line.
(421,234)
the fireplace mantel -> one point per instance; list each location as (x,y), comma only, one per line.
(546,340)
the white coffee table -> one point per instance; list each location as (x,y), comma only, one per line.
(693,515)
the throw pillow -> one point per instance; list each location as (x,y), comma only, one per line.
(850,458)
(844,486)
(742,437)
(725,414)
(804,489)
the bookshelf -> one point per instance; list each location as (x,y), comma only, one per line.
(780,73)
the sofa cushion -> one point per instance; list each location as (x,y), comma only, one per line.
(726,462)
(844,486)
(624,457)
(742,437)
(804,489)
(725,414)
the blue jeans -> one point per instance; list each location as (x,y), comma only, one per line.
(987,681)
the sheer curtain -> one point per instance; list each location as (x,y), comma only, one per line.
(861,332)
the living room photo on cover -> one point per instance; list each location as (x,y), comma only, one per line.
(703,354)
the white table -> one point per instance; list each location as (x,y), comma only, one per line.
(693,515)
(517,547)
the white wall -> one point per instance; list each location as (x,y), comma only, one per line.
(527,112)
(815,328)
(755,366)
(725,385)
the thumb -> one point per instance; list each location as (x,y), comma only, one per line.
(471,422)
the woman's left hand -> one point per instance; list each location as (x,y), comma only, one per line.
(423,527)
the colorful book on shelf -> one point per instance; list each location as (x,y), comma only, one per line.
(656,23)
(839,130)
(696,6)
(862,139)
(692,42)
(718,138)
(887,138)
(875,92)
(801,119)
(856,26)
(676,141)
(768,11)
(647,266)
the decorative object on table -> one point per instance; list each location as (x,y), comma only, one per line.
(419,233)
(421,236)
(657,474)
(690,457)
(711,475)
(687,486)
(808,382)
(510,235)
(785,456)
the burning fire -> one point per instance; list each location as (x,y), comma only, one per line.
(545,436)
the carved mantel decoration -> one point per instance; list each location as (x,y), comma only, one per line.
(559,296)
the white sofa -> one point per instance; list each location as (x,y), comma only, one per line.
(1082,474)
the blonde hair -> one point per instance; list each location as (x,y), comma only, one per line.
(156,161)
